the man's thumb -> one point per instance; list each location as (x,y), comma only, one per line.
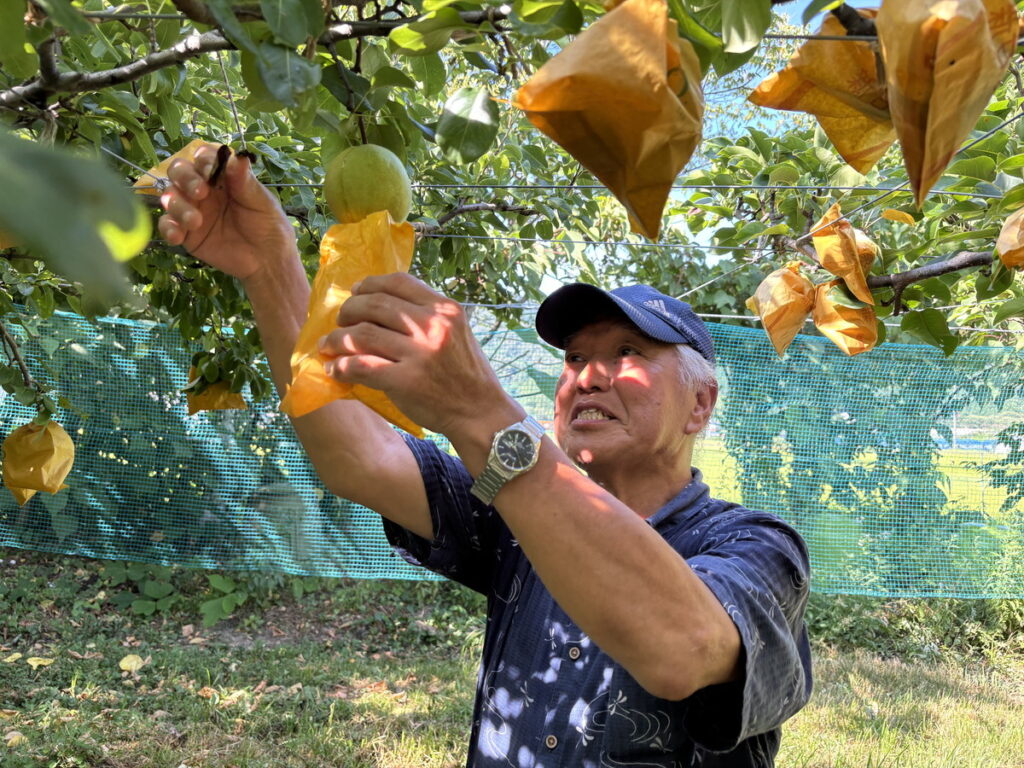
(242,182)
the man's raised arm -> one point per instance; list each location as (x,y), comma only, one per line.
(239,227)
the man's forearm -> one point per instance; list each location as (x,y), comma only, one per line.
(355,452)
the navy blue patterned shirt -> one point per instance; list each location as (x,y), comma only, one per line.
(547,696)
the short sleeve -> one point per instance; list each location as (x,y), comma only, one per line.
(757,566)
(466,530)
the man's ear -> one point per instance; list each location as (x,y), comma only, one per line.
(705,398)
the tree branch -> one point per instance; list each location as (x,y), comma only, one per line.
(13,352)
(37,90)
(424,230)
(196,11)
(962,260)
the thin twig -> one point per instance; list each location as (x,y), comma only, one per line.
(14,354)
(429,229)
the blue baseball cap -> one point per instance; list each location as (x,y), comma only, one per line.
(661,317)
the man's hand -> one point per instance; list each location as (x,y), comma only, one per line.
(236,225)
(399,336)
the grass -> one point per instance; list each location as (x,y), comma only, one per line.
(381,674)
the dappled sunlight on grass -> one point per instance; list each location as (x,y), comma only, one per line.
(876,712)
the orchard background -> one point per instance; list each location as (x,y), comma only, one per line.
(92,95)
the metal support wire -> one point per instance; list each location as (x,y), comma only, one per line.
(161,183)
(620,243)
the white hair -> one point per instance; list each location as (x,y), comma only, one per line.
(694,369)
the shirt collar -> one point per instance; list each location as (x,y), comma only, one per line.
(688,501)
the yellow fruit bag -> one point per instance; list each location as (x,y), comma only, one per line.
(1010,244)
(37,457)
(782,301)
(852,329)
(146,183)
(845,252)
(624,98)
(216,397)
(348,253)
(837,82)
(943,60)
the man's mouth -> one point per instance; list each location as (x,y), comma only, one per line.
(591,414)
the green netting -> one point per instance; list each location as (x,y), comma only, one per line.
(902,468)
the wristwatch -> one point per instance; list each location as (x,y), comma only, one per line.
(514,450)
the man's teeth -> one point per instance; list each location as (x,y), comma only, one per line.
(592,414)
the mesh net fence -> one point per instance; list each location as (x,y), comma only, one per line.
(903,469)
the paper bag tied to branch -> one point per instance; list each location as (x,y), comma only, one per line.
(943,60)
(782,301)
(348,253)
(852,329)
(624,98)
(216,397)
(838,83)
(845,252)
(37,457)
(1010,244)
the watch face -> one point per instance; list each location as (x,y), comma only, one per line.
(515,450)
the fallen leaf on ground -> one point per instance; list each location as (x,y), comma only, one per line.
(131,663)
(38,661)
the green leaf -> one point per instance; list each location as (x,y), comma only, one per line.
(546,382)
(391,77)
(230,25)
(468,125)
(427,35)
(286,74)
(1012,308)
(982,167)
(931,327)
(156,589)
(783,173)
(221,583)
(707,46)
(64,15)
(51,198)
(817,6)
(997,281)
(840,295)
(287,19)
(429,70)
(17,57)
(744,23)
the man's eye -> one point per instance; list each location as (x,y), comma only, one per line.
(627,351)
(572,357)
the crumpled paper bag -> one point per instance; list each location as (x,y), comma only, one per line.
(348,253)
(624,98)
(838,82)
(147,182)
(782,301)
(943,60)
(216,397)
(37,457)
(1010,243)
(852,329)
(845,252)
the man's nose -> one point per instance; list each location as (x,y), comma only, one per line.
(595,376)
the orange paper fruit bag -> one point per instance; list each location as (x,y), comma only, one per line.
(146,184)
(845,252)
(837,82)
(782,301)
(1010,244)
(624,98)
(37,457)
(348,253)
(943,60)
(216,397)
(852,329)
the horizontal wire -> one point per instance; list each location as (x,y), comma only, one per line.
(625,243)
(747,318)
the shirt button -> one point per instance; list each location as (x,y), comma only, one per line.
(551,741)
(574,653)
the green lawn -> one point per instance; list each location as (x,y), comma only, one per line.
(381,674)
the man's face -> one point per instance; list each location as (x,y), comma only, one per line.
(620,399)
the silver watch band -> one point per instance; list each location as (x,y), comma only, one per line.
(493,477)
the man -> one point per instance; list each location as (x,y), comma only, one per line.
(632,619)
